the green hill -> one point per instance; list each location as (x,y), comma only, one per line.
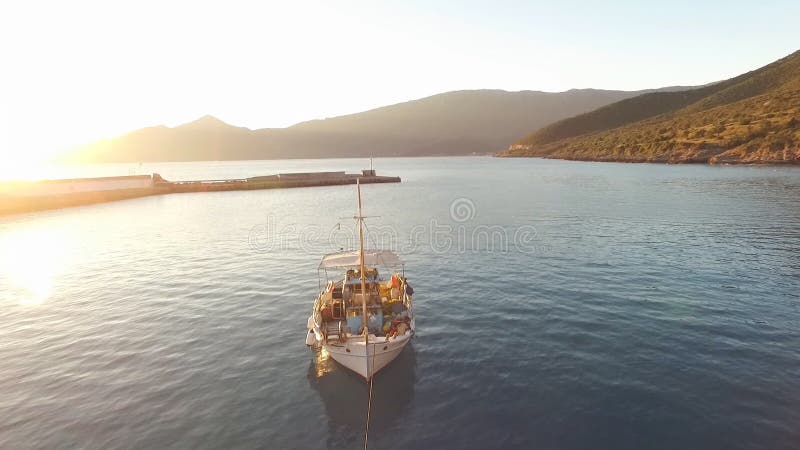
(752,118)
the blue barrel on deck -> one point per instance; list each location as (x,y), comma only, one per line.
(354,323)
(375,324)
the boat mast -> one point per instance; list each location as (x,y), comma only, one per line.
(363,268)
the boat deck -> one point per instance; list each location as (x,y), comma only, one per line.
(341,306)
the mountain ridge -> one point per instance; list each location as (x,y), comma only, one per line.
(451,123)
(750,118)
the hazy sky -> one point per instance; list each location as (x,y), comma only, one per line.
(74,71)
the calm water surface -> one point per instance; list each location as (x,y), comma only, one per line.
(561,305)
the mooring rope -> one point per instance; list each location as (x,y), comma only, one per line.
(369,409)
(369,402)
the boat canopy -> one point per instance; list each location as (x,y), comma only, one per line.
(383,258)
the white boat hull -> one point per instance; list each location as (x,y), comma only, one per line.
(367,360)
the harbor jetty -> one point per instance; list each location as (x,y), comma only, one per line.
(28,196)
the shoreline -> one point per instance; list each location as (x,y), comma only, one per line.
(776,163)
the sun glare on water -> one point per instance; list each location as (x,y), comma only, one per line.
(30,262)
(323,363)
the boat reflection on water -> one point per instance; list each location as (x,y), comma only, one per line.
(345,396)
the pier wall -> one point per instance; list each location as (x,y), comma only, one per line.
(20,197)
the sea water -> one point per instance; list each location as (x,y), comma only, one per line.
(559,304)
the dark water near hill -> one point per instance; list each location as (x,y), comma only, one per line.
(561,305)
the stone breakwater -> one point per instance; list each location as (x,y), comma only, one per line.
(28,196)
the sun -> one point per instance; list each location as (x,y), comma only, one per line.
(26,160)
(26,154)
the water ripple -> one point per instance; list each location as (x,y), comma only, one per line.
(659,310)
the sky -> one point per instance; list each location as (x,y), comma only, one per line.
(76,71)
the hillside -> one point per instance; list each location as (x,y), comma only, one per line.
(752,118)
(452,123)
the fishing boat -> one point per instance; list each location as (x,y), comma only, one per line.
(364,315)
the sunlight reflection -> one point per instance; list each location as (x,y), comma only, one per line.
(323,362)
(30,261)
